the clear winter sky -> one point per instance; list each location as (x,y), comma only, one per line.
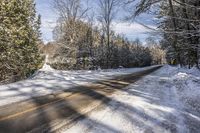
(130,30)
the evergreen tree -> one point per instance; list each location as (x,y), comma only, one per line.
(19,36)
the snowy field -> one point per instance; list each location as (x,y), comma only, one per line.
(166,101)
(49,81)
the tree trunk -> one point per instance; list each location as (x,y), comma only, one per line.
(188,29)
(177,50)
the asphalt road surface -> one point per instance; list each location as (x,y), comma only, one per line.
(53,112)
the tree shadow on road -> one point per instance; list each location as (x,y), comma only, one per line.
(62,110)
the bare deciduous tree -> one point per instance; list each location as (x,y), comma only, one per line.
(69,9)
(106,15)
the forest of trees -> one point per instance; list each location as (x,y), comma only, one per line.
(84,37)
(81,44)
(178,24)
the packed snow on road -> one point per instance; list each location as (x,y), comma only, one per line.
(49,81)
(166,101)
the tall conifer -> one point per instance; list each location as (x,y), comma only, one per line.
(19,36)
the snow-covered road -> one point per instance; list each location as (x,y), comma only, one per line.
(51,113)
(48,81)
(166,101)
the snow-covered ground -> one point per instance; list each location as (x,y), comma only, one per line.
(166,101)
(48,81)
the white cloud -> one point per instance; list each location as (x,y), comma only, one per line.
(130,28)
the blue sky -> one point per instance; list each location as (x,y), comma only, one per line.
(49,18)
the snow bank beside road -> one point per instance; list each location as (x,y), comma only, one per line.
(48,81)
(187,83)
